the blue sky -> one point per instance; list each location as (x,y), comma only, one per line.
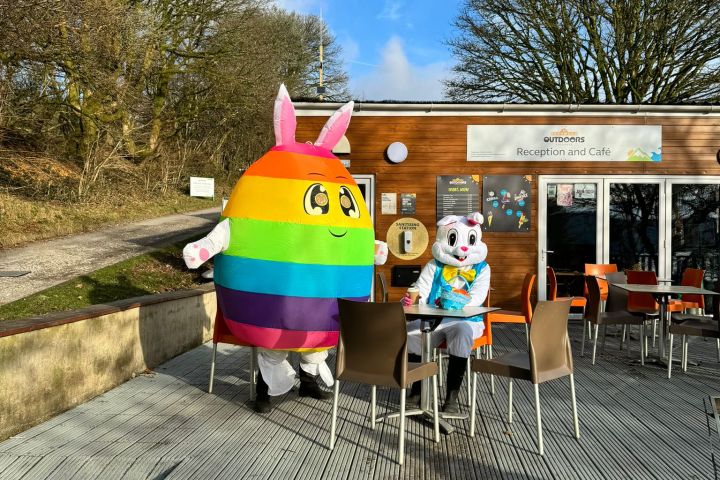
(393,49)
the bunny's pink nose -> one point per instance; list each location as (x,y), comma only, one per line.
(464,249)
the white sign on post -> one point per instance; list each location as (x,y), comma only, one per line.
(564,143)
(202,187)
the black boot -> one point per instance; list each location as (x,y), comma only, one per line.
(262,399)
(310,388)
(414,395)
(455,373)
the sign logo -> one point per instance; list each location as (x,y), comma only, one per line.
(563,136)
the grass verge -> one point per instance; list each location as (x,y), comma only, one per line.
(155,272)
(23,221)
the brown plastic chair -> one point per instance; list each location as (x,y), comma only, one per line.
(383,287)
(692,277)
(549,357)
(600,269)
(595,316)
(525,314)
(221,334)
(695,326)
(362,358)
(579,302)
(643,303)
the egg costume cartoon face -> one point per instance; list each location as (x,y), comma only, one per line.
(295,236)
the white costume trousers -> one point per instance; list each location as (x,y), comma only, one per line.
(459,335)
(280,375)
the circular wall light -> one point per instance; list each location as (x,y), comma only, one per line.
(397,152)
(717,156)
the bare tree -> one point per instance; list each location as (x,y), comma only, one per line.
(587,51)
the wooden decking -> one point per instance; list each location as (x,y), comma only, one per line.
(635,423)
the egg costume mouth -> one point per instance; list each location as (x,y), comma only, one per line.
(336,235)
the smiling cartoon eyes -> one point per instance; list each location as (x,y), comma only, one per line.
(317,201)
(452,237)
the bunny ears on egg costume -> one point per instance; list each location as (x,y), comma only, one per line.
(285,122)
(474,218)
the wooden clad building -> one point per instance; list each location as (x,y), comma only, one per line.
(675,201)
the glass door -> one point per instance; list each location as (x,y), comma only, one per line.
(695,229)
(570,236)
(634,236)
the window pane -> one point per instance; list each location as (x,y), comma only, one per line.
(634,225)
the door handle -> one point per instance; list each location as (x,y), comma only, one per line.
(549,251)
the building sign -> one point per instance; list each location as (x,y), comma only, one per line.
(507,203)
(570,143)
(457,195)
(202,187)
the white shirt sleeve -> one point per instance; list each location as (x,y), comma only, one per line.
(425,280)
(480,288)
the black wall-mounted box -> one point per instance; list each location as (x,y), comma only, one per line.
(404,275)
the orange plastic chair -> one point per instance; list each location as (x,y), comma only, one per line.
(596,269)
(552,292)
(222,334)
(525,314)
(641,302)
(692,277)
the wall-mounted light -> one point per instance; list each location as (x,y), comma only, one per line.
(397,152)
(717,156)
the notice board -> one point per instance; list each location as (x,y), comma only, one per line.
(506,203)
(457,195)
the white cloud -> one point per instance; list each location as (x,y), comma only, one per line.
(391,10)
(398,79)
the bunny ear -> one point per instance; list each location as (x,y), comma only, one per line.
(447,220)
(475,218)
(284,118)
(335,127)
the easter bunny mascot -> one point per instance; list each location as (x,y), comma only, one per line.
(295,236)
(459,263)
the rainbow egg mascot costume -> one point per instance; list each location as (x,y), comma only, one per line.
(294,236)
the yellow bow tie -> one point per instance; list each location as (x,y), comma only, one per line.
(449,272)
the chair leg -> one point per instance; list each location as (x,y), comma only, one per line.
(437,355)
(373,400)
(654,332)
(510,401)
(642,344)
(492,377)
(622,337)
(436,412)
(253,372)
(467,377)
(576,423)
(582,344)
(401,453)
(718,349)
(684,359)
(527,335)
(473,399)
(670,356)
(333,422)
(539,419)
(597,327)
(212,368)
(590,331)
(602,349)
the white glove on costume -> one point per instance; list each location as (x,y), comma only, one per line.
(197,253)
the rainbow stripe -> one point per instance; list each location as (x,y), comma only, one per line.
(279,279)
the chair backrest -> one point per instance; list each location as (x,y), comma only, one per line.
(693,277)
(617,297)
(552,287)
(550,354)
(382,283)
(373,343)
(641,302)
(592,309)
(599,269)
(526,305)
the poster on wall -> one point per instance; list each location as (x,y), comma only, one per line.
(407,204)
(388,203)
(457,195)
(507,203)
(565,195)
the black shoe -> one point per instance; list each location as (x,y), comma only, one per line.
(310,388)
(451,402)
(413,397)
(262,404)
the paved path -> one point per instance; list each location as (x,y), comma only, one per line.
(59,260)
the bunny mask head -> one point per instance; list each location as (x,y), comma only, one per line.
(458,242)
